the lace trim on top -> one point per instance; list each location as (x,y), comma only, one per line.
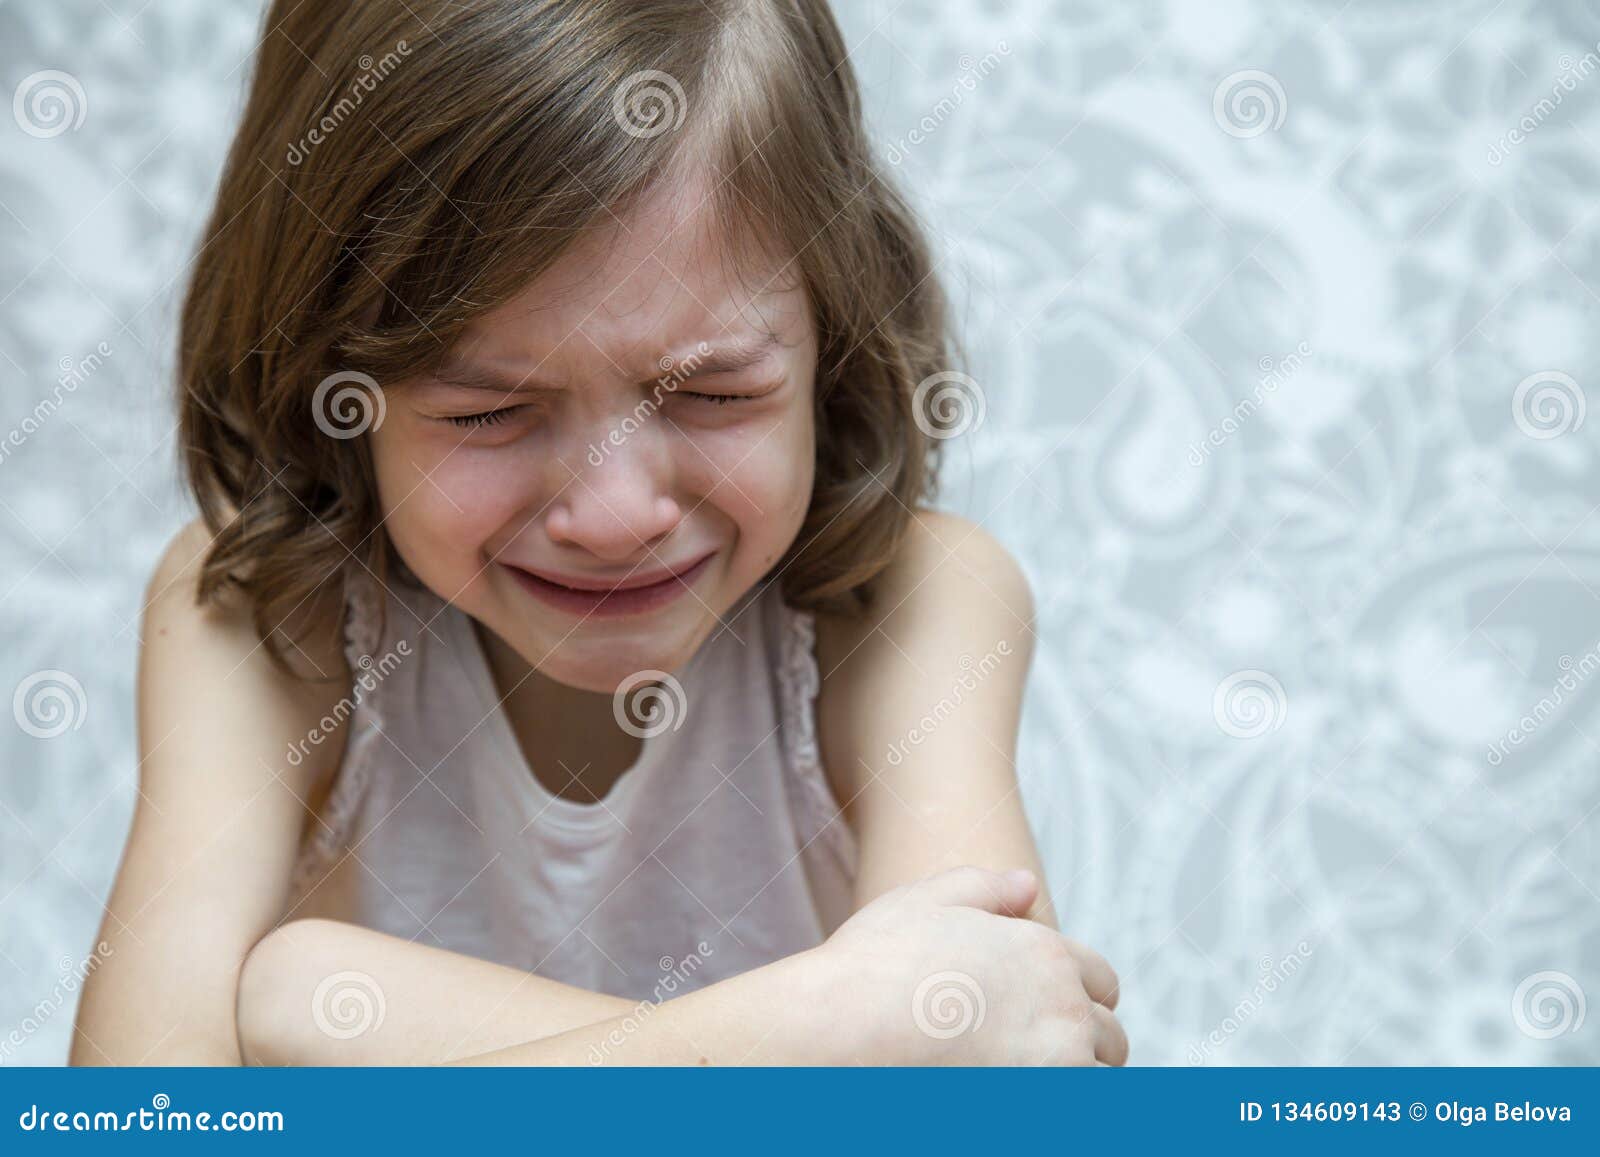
(363,630)
(799,681)
(798,678)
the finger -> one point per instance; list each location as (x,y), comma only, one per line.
(1003,893)
(1092,1033)
(1110,1041)
(1100,980)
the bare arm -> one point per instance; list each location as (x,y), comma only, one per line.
(829,1005)
(320,992)
(861,997)
(204,879)
(324,992)
(949,641)
(775,1014)
(206,869)
(919,710)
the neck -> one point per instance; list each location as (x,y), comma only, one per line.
(569,738)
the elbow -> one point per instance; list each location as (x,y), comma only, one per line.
(123,1020)
(273,1015)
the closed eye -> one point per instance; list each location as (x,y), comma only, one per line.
(755,395)
(487,418)
(718,399)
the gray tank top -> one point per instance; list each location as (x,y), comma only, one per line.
(719,850)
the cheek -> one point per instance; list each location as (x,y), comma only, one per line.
(441,503)
(760,476)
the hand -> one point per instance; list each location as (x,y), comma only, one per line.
(949,971)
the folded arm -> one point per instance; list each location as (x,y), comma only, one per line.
(219,812)
(946,648)
(322,992)
(919,711)
(202,968)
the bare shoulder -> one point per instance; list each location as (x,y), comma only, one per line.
(951,623)
(218,819)
(948,569)
(951,594)
(206,661)
(956,555)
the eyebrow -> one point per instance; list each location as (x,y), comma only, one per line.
(719,360)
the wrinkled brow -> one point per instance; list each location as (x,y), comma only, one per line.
(727,359)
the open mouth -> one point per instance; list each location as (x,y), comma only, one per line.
(631,596)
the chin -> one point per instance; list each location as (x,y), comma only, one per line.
(602,666)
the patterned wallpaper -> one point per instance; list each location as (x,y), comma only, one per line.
(1282,320)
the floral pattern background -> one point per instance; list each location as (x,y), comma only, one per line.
(1282,322)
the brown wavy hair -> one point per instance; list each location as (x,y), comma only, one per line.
(402,168)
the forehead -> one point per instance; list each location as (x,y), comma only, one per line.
(645,281)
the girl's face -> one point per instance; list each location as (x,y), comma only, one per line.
(606,463)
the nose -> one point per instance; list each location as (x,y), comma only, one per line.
(619,507)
